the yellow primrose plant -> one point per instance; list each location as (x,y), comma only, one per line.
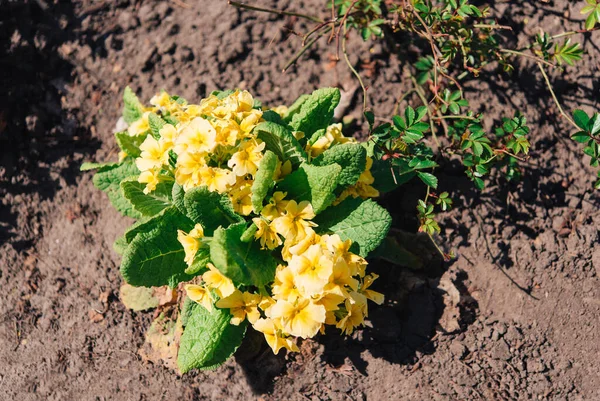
(261,217)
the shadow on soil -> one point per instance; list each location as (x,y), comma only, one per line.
(36,130)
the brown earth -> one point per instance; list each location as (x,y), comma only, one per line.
(514,317)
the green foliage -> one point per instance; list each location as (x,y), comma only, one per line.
(147,204)
(129,144)
(316,111)
(211,209)
(589,135)
(315,184)
(132,108)
(155,123)
(208,339)
(593,11)
(264,180)
(351,157)
(362,221)
(108,179)
(243,262)
(155,257)
(279,140)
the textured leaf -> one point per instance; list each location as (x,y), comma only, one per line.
(201,258)
(155,123)
(312,183)
(94,166)
(279,140)
(316,111)
(352,157)
(137,298)
(155,257)
(150,204)
(177,196)
(295,107)
(130,144)
(132,108)
(362,221)
(162,342)
(263,181)
(243,262)
(211,209)
(108,179)
(208,338)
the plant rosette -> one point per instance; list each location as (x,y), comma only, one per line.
(262,217)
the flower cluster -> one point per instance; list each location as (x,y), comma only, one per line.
(320,282)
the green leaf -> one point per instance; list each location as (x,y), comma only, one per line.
(155,258)
(312,183)
(130,144)
(581,137)
(155,123)
(108,179)
(352,157)
(177,195)
(362,221)
(93,166)
(132,108)
(201,258)
(279,140)
(316,111)
(263,180)
(210,209)
(295,107)
(208,339)
(430,179)
(270,115)
(243,262)
(147,204)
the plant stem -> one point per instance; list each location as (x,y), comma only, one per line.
(426,104)
(549,85)
(360,81)
(302,50)
(274,11)
(518,53)
(490,26)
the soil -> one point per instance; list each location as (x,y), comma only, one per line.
(516,316)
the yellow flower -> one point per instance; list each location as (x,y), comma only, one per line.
(281,110)
(363,187)
(153,155)
(244,101)
(295,222)
(276,206)
(284,286)
(199,136)
(150,178)
(241,305)
(274,335)
(298,246)
(266,234)
(228,132)
(341,278)
(139,126)
(339,248)
(282,169)
(331,302)
(216,179)
(302,318)
(200,294)
(190,242)
(187,172)
(250,121)
(167,133)
(216,281)
(246,160)
(241,197)
(312,270)
(320,146)
(356,310)
(374,296)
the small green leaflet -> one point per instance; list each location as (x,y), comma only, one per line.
(108,179)
(315,184)
(210,209)
(155,257)
(352,157)
(362,221)
(130,144)
(263,180)
(429,179)
(243,262)
(208,338)
(94,166)
(132,108)
(316,111)
(147,204)
(279,140)
(155,123)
